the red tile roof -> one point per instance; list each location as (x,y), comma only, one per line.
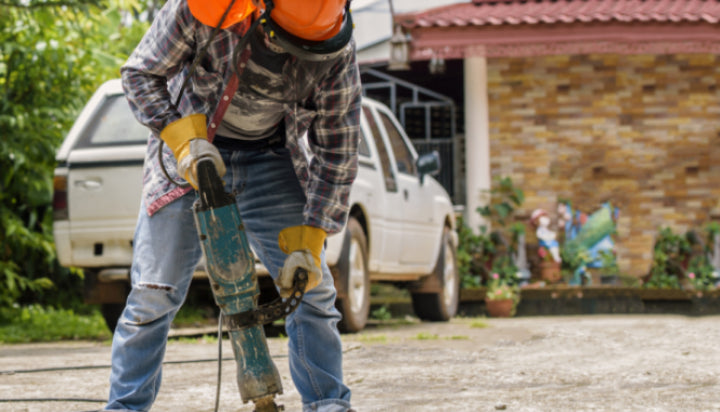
(515,12)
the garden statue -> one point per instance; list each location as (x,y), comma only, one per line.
(569,224)
(546,237)
(590,235)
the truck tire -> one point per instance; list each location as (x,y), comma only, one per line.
(111,313)
(441,305)
(354,300)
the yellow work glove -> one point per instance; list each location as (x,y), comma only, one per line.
(303,244)
(187,137)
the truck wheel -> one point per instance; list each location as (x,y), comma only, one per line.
(111,312)
(442,305)
(354,303)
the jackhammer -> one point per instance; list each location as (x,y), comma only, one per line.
(230,266)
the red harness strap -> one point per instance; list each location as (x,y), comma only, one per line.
(232,85)
(223,104)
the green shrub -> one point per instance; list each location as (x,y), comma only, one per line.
(37,324)
(53,55)
(492,249)
(381,313)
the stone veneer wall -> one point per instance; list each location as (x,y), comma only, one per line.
(640,131)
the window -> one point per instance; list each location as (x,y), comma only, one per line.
(403,155)
(363,148)
(390,183)
(114,124)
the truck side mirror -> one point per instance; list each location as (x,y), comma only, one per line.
(428,164)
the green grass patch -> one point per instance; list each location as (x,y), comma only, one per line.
(196,339)
(426,336)
(478,324)
(458,337)
(373,338)
(38,324)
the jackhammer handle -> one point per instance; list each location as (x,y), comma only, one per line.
(272,311)
(210,186)
(300,279)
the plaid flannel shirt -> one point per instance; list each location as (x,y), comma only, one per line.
(328,109)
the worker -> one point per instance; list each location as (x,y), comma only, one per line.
(253,79)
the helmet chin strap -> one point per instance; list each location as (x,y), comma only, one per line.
(240,46)
(307,49)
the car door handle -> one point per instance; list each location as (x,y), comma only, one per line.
(406,194)
(89,184)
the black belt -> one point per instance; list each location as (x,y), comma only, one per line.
(273,142)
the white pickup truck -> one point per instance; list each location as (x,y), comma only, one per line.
(401,227)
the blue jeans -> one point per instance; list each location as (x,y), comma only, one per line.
(166,251)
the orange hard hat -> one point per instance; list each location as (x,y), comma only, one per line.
(309,29)
(309,19)
(210,12)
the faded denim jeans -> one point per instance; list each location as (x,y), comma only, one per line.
(166,251)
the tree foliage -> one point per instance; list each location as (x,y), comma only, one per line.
(53,54)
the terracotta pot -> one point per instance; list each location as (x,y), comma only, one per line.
(501,308)
(550,272)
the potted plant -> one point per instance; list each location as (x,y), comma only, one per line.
(501,298)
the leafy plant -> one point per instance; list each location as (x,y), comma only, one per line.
(659,276)
(381,313)
(501,292)
(500,289)
(53,55)
(574,259)
(37,324)
(503,199)
(700,273)
(490,251)
(609,263)
(473,254)
(712,229)
(506,270)
(671,254)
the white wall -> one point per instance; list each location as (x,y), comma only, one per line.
(373,24)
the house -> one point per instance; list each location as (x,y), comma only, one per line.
(584,100)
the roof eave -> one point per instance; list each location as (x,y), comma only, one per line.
(544,39)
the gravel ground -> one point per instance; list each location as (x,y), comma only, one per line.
(571,363)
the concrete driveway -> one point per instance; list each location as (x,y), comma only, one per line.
(571,363)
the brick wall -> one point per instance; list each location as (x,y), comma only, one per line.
(640,131)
